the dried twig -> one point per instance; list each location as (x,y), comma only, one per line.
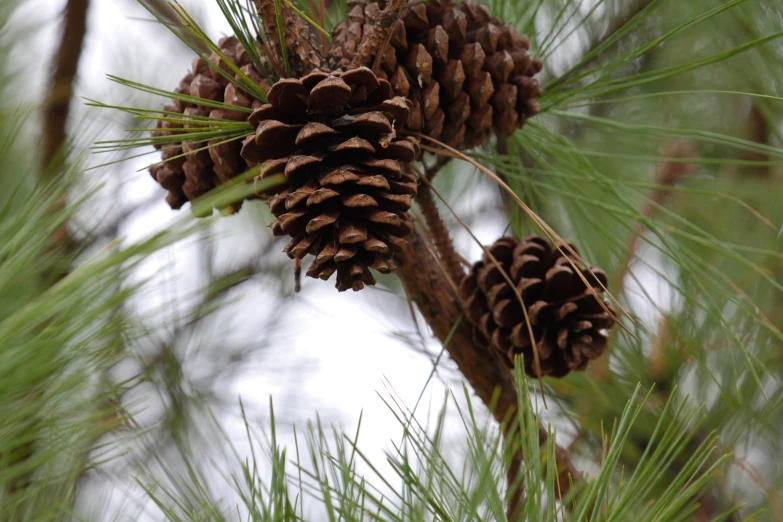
(166,13)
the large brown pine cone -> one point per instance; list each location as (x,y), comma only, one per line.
(204,165)
(465,71)
(347,190)
(568,323)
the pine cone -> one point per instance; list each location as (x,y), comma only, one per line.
(465,71)
(568,323)
(346,195)
(191,169)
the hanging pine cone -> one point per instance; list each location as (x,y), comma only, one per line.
(568,323)
(191,169)
(465,71)
(346,195)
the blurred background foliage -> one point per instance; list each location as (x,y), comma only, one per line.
(128,331)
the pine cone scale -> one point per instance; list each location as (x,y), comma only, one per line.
(347,195)
(460,49)
(568,320)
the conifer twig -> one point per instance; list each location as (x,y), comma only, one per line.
(426,285)
(669,173)
(440,234)
(615,24)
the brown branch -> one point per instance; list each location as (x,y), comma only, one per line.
(439,233)
(757,130)
(379,38)
(298,39)
(58,98)
(617,23)
(427,286)
(669,173)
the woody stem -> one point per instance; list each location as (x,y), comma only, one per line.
(427,286)
(439,232)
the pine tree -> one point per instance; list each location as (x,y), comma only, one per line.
(644,389)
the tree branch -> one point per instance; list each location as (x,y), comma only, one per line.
(165,11)
(615,24)
(426,285)
(58,98)
(438,231)
(667,176)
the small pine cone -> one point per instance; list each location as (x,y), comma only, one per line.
(346,196)
(191,169)
(467,73)
(568,323)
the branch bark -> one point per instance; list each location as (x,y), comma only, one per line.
(439,232)
(427,286)
(58,98)
(298,39)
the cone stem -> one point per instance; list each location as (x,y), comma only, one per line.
(426,285)
(440,234)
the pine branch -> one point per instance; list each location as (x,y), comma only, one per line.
(298,41)
(60,92)
(426,285)
(438,230)
(55,119)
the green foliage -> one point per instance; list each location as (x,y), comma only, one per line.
(331,478)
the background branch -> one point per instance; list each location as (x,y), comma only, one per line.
(165,12)
(60,92)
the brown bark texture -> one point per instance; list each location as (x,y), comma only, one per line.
(440,234)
